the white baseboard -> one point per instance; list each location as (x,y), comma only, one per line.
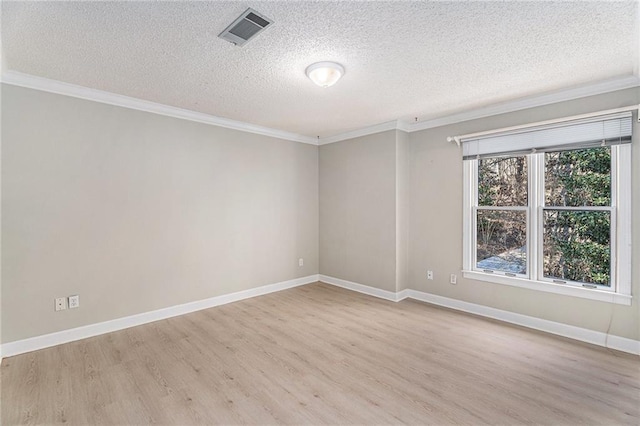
(595,337)
(65,336)
(361,288)
(577,333)
(585,335)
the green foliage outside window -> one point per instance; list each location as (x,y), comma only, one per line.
(502,235)
(578,178)
(576,243)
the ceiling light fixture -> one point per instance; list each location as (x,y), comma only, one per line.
(325,74)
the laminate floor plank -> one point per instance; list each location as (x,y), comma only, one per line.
(318,354)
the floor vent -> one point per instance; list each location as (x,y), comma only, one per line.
(246,27)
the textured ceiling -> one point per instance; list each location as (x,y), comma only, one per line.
(403,59)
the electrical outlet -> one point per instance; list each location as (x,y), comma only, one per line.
(454,279)
(301,262)
(74,301)
(61,304)
(429,275)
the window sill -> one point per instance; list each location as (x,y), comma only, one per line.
(585,293)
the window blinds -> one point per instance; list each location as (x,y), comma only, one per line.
(601,130)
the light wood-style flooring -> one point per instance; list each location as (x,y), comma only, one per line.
(318,354)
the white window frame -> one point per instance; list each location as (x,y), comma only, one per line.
(620,290)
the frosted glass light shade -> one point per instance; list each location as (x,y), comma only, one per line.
(325,74)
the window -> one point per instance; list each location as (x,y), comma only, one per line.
(548,208)
(501,215)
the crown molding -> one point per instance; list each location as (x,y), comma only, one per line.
(404,126)
(569,94)
(15,78)
(364,131)
(563,95)
(40,83)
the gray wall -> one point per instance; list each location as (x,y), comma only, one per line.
(358,210)
(403,211)
(436,224)
(135,211)
(2,66)
(391,204)
(364,210)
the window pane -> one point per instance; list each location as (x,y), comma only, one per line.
(502,181)
(578,178)
(577,246)
(502,241)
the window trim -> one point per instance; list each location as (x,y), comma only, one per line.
(620,290)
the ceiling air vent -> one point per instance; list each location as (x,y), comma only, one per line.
(247,26)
